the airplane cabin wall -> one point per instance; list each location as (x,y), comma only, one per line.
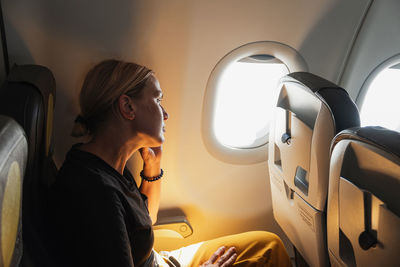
(378,40)
(181,41)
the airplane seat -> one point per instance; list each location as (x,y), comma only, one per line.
(28,96)
(13,157)
(309,112)
(363,214)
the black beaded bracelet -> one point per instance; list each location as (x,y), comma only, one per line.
(151,179)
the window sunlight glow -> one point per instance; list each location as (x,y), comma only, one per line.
(381,103)
(244,103)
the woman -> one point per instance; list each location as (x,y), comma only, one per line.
(101,216)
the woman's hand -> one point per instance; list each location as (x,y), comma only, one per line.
(151,160)
(151,168)
(221,259)
(151,154)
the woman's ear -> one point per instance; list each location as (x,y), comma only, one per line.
(126,107)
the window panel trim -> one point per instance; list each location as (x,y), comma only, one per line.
(286,54)
(392,61)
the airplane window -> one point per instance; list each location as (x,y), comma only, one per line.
(244,101)
(381,101)
(238,100)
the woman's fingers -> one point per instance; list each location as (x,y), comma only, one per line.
(157,149)
(216,254)
(228,258)
(221,258)
(230,261)
(151,154)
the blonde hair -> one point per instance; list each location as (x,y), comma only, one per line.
(101,89)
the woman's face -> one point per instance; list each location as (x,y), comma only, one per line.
(149,114)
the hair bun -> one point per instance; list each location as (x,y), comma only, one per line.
(80,127)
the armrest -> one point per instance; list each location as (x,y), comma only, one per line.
(172,224)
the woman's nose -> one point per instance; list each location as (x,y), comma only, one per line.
(165,114)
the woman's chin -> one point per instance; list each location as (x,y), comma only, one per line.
(161,140)
(157,141)
(148,140)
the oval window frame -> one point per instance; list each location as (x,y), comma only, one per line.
(286,54)
(391,61)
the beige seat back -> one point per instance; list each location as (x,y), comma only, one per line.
(310,111)
(13,156)
(363,202)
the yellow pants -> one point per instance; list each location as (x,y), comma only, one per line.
(253,249)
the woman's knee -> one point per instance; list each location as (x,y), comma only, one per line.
(263,237)
(260,243)
(260,248)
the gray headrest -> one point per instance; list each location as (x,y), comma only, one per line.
(381,137)
(344,111)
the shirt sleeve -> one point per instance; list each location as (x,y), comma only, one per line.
(103,239)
